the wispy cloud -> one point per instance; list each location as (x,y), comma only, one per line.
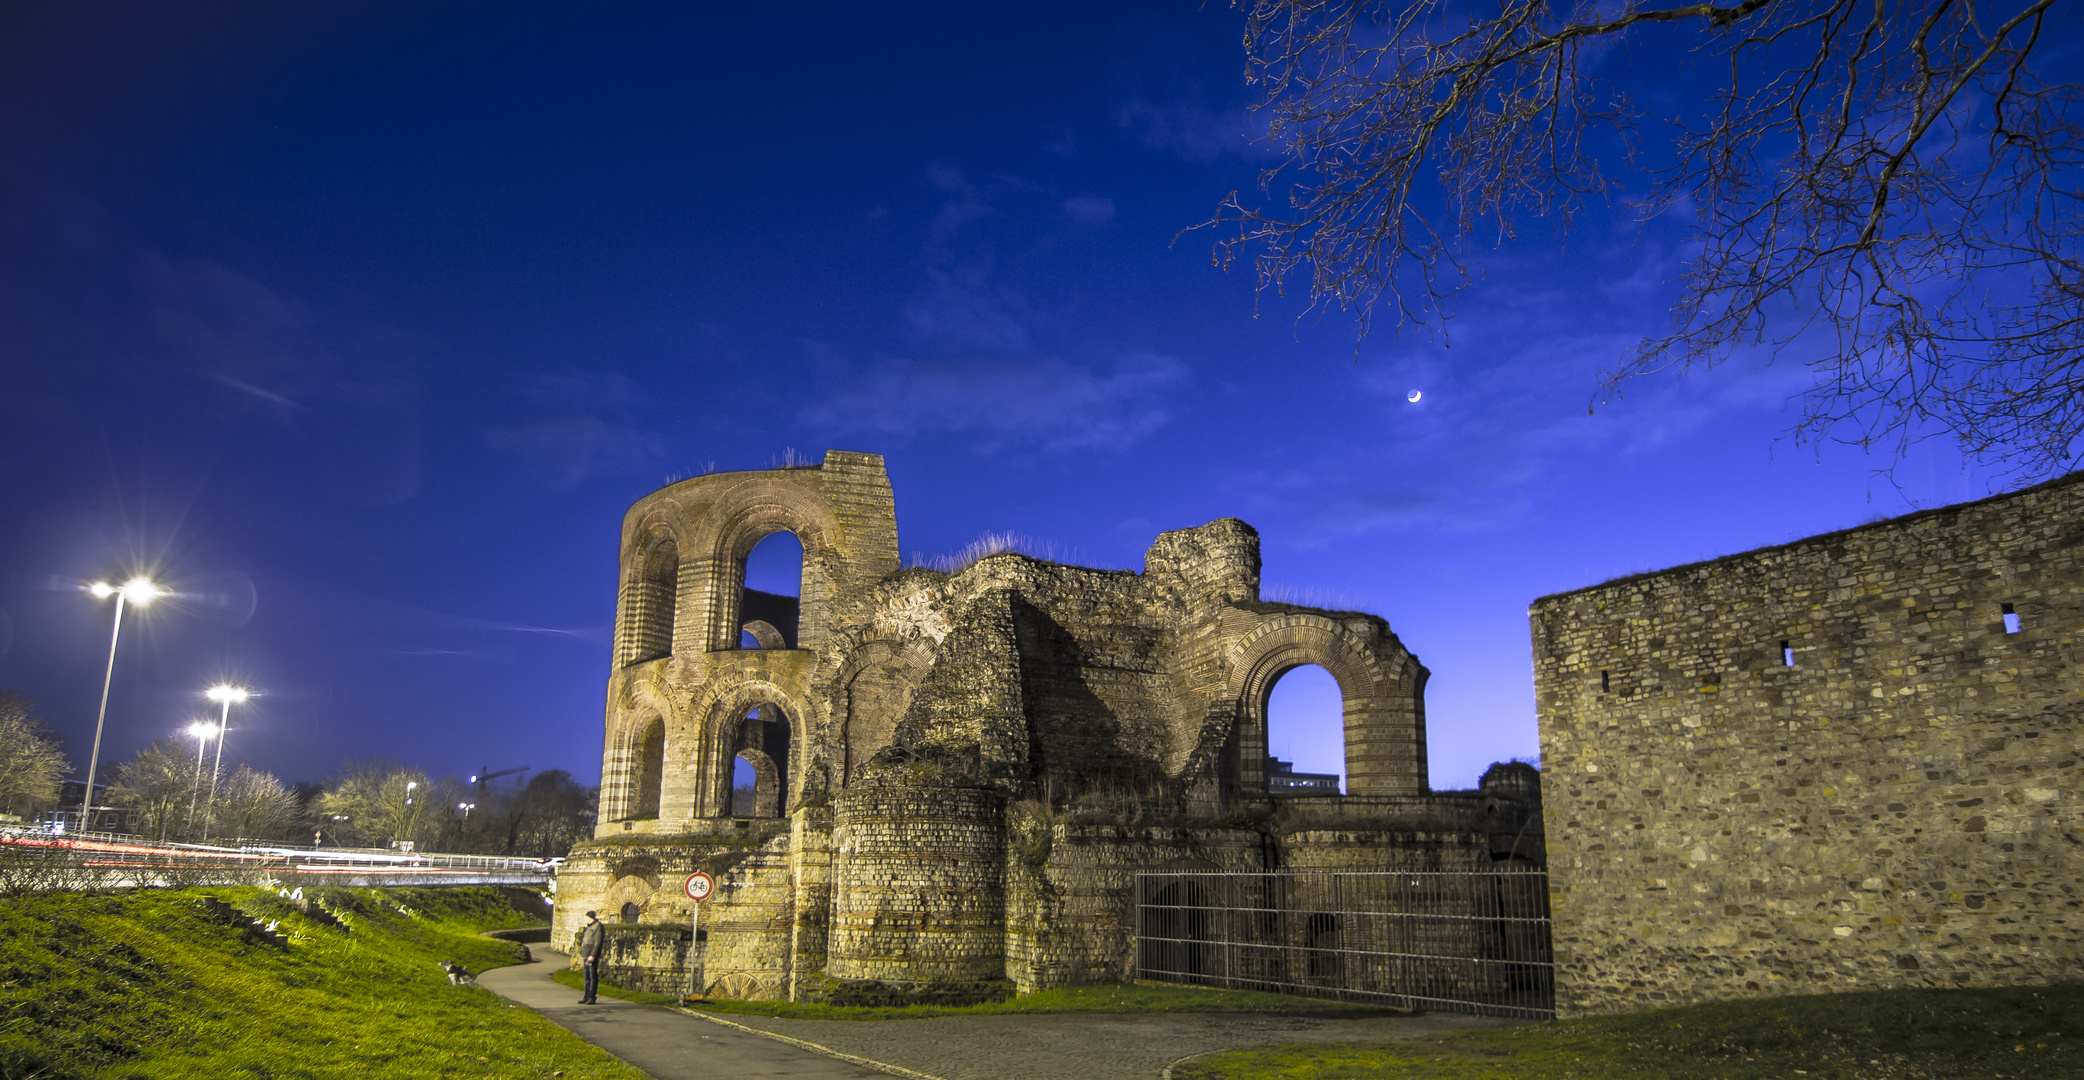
(965,310)
(1089,208)
(1190,131)
(583,424)
(78,284)
(1035,401)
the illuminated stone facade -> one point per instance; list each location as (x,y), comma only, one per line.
(959,774)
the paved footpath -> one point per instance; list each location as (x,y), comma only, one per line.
(666,1043)
(672,1044)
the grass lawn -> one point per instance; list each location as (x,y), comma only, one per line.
(1071,999)
(2035,1032)
(142,984)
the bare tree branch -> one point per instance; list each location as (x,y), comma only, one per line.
(1890,186)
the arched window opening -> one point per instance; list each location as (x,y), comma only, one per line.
(768,605)
(744,782)
(631,912)
(761,756)
(648,769)
(1306,734)
(653,597)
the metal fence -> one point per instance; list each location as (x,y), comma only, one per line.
(1474,941)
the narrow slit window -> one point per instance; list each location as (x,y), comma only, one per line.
(1787,654)
(2011,619)
(1606,681)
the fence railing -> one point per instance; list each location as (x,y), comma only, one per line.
(116,851)
(1471,941)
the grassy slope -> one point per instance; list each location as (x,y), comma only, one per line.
(2033,1032)
(141,984)
(1070,999)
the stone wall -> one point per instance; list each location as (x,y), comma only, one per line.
(1898,806)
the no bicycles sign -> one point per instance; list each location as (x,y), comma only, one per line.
(699,886)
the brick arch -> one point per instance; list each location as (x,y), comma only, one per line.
(648,608)
(641,700)
(646,768)
(870,692)
(1384,718)
(718,715)
(767,786)
(771,505)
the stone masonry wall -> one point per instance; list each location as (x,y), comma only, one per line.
(1071,894)
(1898,807)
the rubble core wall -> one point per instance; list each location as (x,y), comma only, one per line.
(1071,893)
(1899,806)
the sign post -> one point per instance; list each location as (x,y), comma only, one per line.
(698,886)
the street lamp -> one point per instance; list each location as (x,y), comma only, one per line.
(466,807)
(226,694)
(139,591)
(203,731)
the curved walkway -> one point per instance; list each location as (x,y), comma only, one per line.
(672,1044)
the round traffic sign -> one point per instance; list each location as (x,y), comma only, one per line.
(698,887)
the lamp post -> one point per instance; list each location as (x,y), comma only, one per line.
(202,730)
(139,591)
(225,694)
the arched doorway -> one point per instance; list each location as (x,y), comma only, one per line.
(1305,733)
(770,601)
(760,762)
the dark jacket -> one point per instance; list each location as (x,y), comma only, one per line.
(591,939)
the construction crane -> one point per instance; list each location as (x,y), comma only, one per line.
(486,776)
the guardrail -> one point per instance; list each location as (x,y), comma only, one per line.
(127,860)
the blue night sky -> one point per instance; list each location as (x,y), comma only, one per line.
(362,324)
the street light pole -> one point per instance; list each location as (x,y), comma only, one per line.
(202,730)
(139,591)
(226,694)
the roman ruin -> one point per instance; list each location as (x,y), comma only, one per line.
(960,774)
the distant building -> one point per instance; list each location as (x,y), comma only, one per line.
(1282,779)
(121,820)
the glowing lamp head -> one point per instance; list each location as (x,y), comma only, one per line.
(228,694)
(102,590)
(203,729)
(140,591)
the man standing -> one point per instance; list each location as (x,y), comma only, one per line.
(591,941)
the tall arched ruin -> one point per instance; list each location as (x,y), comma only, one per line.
(961,773)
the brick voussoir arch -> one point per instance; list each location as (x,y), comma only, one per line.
(637,703)
(771,505)
(1376,691)
(714,713)
(1291,640)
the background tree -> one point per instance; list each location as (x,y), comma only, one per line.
(32,763)
(161,783)
(1891,186)
(254,805)
(377,803)
(555,812)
